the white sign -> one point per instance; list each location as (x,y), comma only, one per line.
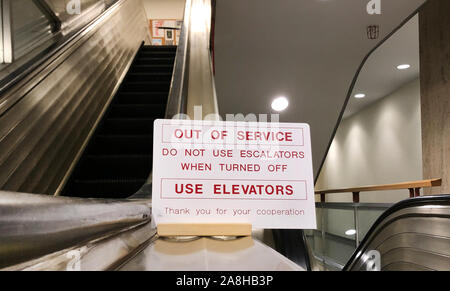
(214,171)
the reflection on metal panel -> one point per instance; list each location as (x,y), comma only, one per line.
(207,254)
(44,126)
(66,11)
(7,33)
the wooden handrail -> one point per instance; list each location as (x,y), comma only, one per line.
(413,187)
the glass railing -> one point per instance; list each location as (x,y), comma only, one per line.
(340,229)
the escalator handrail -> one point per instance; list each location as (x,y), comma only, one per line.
(177,100)
(378,225)
(193,75)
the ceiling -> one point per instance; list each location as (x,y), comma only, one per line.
(380,76)
(306,50)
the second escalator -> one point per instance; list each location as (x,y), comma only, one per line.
(118,158)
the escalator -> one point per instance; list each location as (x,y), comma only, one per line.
(412,235)
(118,158)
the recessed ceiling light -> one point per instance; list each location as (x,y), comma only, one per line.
(350,232)
(403,67)
(280,103)
(360,95)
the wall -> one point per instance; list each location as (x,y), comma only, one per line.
(164,9)
(434,27)
(378,145)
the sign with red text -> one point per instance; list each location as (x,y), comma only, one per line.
(237,172)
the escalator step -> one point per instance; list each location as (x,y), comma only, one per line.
(142,98)
(108,188)
(141,77)
(136,110)
(146,87)
(96,167)
(154,61)
(157,54)
(172,48)
(122,144)
(124,126)
(152,68)
(118,159)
